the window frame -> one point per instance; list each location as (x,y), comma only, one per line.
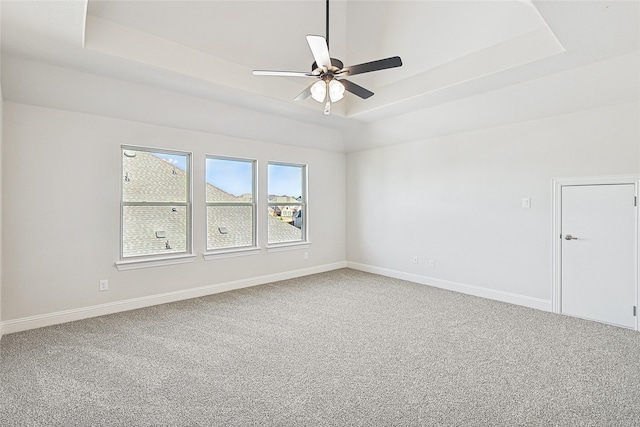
(304,205)
(152,260)
(233,251)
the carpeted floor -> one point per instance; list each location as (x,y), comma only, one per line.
(343,348)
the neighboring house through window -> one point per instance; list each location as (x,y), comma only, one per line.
(231,203)
(156,203)
(287,188)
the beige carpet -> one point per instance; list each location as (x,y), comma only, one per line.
(343,348)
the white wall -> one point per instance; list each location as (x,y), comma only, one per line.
(1,144)
(61,212)
(457,200)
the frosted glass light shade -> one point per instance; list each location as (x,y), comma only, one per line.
(336,90)
(319,91)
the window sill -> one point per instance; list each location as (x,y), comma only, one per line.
(230,253)
(154,262)
(288,247)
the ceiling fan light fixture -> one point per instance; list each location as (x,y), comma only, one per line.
(328,89)
(336,90)
(319,91)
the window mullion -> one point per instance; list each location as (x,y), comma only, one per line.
(156,204)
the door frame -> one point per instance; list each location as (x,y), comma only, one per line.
(558,183)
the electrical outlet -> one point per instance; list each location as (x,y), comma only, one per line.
(104,285)
(432,263)
(415,259)
(306,255)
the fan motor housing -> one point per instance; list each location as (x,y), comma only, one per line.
(336,65)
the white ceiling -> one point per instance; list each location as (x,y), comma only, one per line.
(271,34)
(466,64)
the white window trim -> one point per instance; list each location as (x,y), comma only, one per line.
(299,244)
(233,251)
(288,246)
(154,260)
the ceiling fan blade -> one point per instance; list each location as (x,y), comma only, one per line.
(305,93)
(356,89)
(282,73)
(367,67)
(320,50)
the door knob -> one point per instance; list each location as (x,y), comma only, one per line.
(570,237)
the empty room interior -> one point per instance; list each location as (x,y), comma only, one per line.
(319,212)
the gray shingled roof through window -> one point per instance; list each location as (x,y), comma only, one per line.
(149,178)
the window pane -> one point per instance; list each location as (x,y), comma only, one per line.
(153,230)
(285,183)
(229,180)
(229,226)
(154,177)
(286,187)
(285,229)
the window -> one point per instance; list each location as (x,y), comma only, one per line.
(231,203)
(156,203)
(287,203)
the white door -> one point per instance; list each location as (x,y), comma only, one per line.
(598,253)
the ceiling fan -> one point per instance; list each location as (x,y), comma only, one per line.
(330,73)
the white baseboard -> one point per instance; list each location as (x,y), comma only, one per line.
(48,319)
(537,303)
